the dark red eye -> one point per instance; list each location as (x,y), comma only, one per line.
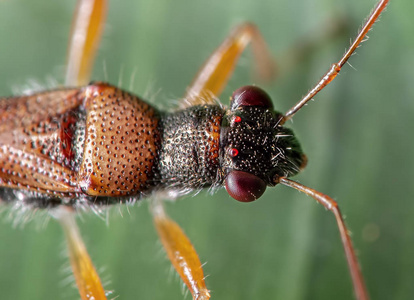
(244,187)
(250,96)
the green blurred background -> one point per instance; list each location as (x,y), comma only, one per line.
(357,135)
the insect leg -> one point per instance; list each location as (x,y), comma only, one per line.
(181,252)
(330,204)
(85,35)
(214,74)
(335,68)
(86,31)
(87,279)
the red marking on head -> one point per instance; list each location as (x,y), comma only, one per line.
(233,152)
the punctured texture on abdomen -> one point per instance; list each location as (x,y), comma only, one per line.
(121,143)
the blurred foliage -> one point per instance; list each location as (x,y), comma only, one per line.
(357,135)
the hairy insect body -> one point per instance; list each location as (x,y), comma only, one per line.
(101,145)
(190,153)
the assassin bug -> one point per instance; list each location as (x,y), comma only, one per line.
(234,152)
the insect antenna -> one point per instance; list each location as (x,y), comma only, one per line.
(331,205)
(336,67)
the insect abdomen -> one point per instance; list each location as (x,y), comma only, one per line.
(121,143)
(86,144)
(35,142)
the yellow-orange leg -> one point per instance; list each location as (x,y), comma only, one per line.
(330,204)
(335,68)
(181,252)
(86,32)
(85,35)
(216,71)
(87,279)
(208,84)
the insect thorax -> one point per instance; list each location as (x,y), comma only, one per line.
(189,157)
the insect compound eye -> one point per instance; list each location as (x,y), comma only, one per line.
(250,96)
(243,186)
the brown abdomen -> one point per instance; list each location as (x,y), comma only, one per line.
(121,143)
(78,143)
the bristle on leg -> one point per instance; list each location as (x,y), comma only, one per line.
(87,279)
